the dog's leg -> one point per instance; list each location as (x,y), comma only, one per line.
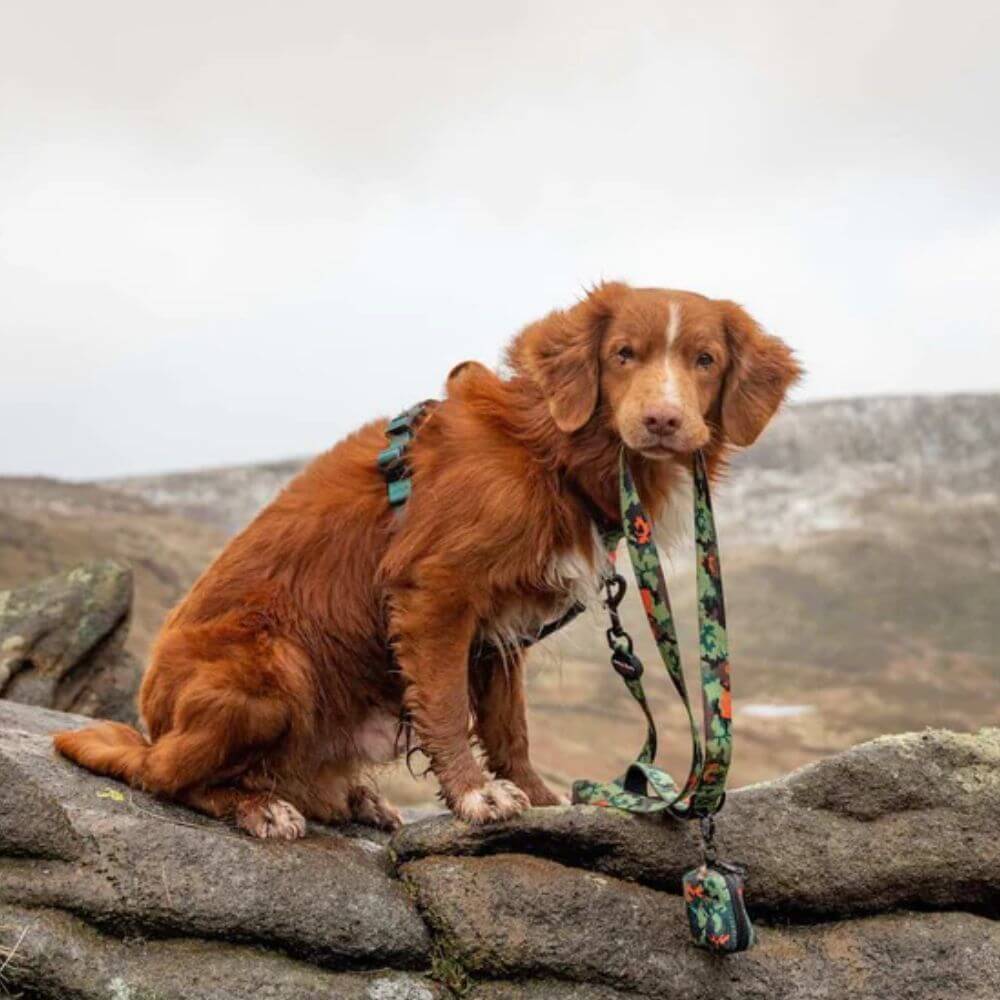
(370,807)
(325,797)
(336,794)
(502,727)
(231,727)
(432,647)
(259,813)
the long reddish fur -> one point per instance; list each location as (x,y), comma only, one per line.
(329,608)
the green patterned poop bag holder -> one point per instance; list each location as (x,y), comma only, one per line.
(713,892)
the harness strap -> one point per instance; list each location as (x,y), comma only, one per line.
(392,463)
(645,788)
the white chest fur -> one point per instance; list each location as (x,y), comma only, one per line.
(575,576)
(676,520)
(570,578)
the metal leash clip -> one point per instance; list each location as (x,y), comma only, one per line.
(626,664)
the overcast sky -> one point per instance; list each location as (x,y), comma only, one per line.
(233,230)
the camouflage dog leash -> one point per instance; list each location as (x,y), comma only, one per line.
(714,891)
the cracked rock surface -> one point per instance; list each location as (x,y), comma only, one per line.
(62,956)
(905,820)
(516,916)
(130,865)
(873,874)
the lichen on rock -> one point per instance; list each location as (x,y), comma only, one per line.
(62,642)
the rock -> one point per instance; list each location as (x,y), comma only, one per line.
(129,864)
(62,643)
(543,989)
(108,893)
(900,821)
(514,916)
(54,954)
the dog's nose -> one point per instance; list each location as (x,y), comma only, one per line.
(663,419)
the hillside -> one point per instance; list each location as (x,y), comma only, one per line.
(861,546)
(818,468)
(47,525)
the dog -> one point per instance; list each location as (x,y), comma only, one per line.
(279,681)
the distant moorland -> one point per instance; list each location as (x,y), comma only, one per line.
(861,548)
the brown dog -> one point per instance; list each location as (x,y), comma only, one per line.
(284,673)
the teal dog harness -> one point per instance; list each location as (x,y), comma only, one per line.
(392,459)
(713,892)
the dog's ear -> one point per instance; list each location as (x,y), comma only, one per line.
(562,354)
(761,370)
(463,372)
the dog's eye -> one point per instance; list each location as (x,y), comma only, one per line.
(705,360)
(625,354)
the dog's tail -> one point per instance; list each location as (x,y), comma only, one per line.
(110,748)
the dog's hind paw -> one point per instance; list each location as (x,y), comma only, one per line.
(271,819)
(373,809)
(496,800)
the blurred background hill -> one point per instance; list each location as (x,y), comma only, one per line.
(861,549)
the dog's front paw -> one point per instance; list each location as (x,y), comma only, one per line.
(271,819)
(494,801)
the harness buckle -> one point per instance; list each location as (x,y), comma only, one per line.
(390,459)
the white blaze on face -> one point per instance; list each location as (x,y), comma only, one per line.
(671,389)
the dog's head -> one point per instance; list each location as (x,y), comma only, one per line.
(672,369)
